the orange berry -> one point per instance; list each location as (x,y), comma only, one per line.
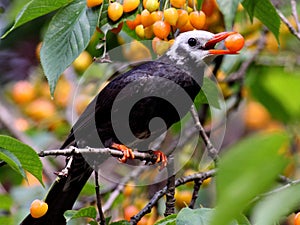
(297,219)
(186,27)
(197,19)
(115,11)
(23,92)
(161,29)
(177,3)
(234,42)
(38,208)
(130,5)
(256,116)
(183,18)
(151,5)
(148,32)
(146,18)
(183,198)
(192,3)
(130,211)
(171,16)
(133,23)
(40,109)
(157,15)
(93,3)
(160,46)
(140,31)
(208,7)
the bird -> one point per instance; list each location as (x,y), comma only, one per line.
(149,90)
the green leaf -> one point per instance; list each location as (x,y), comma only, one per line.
(228,8)
(203,216)
(189,216)
(12,161)
(6,220)
(169,220)
(265,12)
(68,34)
(277,205)
(209,94)
(237,177)
(28,158)
(89,212)
(277,90)
(35,9)
(6,202)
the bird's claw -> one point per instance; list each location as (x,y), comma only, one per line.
(160,157)
(127,152)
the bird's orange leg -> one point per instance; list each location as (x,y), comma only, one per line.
(127,152)
(161,157)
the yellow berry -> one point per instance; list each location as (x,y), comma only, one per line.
(115,11)
(38,208)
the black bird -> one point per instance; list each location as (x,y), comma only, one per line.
(164,88)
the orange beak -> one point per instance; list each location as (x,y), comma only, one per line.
(216,39)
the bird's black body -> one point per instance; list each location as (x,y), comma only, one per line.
(157,81)
(124,111)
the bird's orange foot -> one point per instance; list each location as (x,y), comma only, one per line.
(127,152)
(160,157)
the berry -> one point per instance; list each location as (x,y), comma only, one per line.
(186,27)
(197,19)
(130,211)
(146,18)
(183,18)
(115,11)
(38,208)
(133,23)
(297,219)
(234,42)
(83,61)
(140,31)
(159,46)
(151,5)
(157,15)
(130,5)
(40,109)
(177,3)
(93,3)
(148,32)
(23,92)
(161,29)
(171,16)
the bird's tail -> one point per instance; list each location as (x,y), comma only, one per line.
(63,193)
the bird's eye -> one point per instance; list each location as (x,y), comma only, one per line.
(192,42)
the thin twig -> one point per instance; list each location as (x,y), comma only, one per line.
(170,200)
(295,14)
(288,24)
(180,181)
(213,153)
(98,199)
(197,186)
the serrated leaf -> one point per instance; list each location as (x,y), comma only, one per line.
(169,220)
(265,12)
(35,9)
(228,9)
(28,158)
(276,206)
(12,161)
(68,34)
(189,216)
(236,179)
(89,212)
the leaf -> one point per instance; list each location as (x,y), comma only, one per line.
(35,9)
(28,158)
(277,90)
(68,34)
(276,206)
(237,177)
(12,161)
(203,216)
(89,212)
(121,222)
(228,8)
(169,220)
(209,94)
(265,12)
(6,202)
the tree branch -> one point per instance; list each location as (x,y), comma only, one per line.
(180,181)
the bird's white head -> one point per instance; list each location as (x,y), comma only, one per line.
(198,45)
